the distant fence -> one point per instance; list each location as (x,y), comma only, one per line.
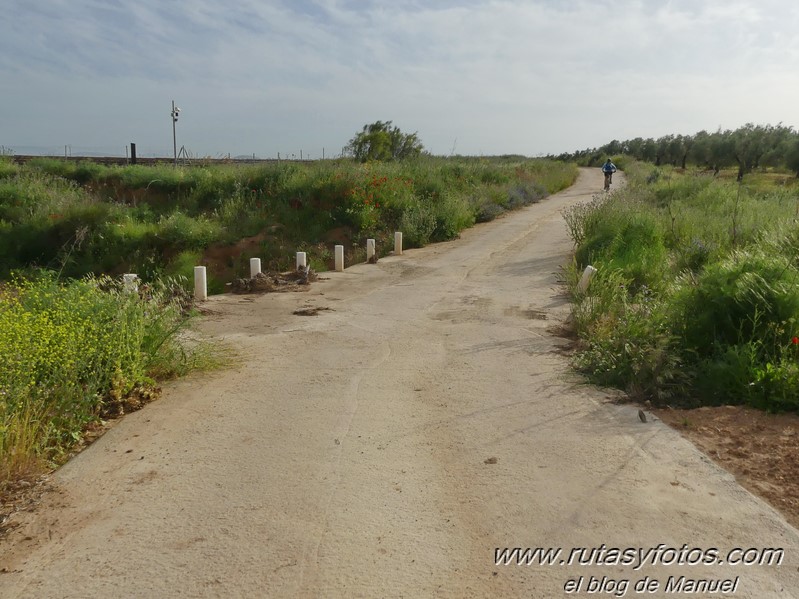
(121,160)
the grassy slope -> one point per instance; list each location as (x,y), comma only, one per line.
(696,297)
(81,217)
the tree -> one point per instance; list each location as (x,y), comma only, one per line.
(792,156)
(752,142)
(381,141)
(679,148)
(663,145)
(713,150)
(649,150)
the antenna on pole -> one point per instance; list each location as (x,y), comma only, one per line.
(175,113)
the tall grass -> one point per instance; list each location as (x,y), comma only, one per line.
(79,217)
(73,352)
(696,296)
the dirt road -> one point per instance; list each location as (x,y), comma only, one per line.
(386,447)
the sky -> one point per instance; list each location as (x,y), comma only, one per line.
(470,77)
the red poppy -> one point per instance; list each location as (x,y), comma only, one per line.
(795,340)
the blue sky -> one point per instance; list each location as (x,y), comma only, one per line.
(470,76)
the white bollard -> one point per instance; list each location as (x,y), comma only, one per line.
(397,243)
(200,284)
(339,258)
(370,250)
(255,267)
(301,260)
(130,283)
(588,274)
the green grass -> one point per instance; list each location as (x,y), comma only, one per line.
(82,218)
(695,300)
(71,353)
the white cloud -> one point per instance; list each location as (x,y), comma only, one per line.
(499,76)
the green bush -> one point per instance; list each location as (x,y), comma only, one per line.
(749,296)
(8,168)
(71,352)
(696,297)
(417,224)
(452,214)
(629,343)
(621,234)
(179,231)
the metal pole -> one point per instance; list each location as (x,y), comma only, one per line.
(174,137)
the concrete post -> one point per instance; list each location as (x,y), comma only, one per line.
(398,243)
(130,283)
(255,267)
(585,280)
(301,260)
(370,250)
(200,284)
(340,258)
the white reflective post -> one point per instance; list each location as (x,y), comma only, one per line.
(585,280)
(200,284)
(255,267)
(340,258)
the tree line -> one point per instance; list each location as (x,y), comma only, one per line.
(748,148)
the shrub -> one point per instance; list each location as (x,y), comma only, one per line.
(749,296)
(486,211)
(8,168)
(452,214)
(696,298)
(70,351)
(620,234)
(417,224)
(629,341)
(180,231)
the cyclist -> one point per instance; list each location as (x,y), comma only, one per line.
(608,168)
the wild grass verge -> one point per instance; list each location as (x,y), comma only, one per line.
(79,217)
(74,353)
(696,298)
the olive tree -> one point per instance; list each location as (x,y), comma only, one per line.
(382,141)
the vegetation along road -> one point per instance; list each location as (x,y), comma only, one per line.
(389,447)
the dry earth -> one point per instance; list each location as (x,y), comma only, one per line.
(386,446)
(760,449)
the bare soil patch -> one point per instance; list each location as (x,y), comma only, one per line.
(270,282)
(20,495)
(760,449)
(310,311)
